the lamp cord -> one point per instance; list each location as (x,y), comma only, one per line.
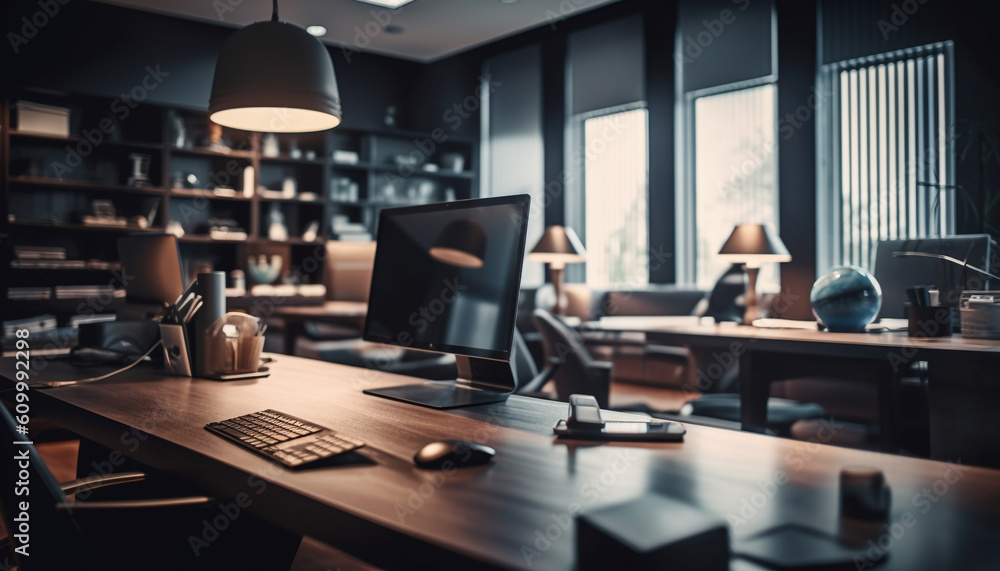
(274,12)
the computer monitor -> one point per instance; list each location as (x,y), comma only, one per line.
(447,278)
(896,272)
(151,267)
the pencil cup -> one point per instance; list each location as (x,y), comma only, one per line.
(233,345)
(932,321)
(176,355)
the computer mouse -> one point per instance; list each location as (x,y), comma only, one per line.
(453,454)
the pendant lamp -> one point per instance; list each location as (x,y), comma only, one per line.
(274,77)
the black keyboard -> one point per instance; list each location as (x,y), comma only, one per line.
(283,438)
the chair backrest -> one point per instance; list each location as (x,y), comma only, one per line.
(521,361)
(576,366)
(347,272)
(895,274)
(52,532)
(725,299)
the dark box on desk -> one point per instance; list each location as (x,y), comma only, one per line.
(652,532)
(128,337)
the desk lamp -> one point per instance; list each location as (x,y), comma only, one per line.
(752,245)
(559,246)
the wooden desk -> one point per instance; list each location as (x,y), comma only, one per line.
(964,391)
(394,515)
(341,312)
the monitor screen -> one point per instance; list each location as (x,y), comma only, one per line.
(896,273)
(447,276)
(151,267)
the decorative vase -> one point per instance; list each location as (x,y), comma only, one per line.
(846,299)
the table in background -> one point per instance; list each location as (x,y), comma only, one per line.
(963,384)
(392,514)
(295,317)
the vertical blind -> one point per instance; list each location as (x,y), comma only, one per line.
(735,174)
(615,182)
(888,130)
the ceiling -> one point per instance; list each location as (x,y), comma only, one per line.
(431,29)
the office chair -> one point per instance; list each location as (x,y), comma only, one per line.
(724,303)
(347,274)
(575,371)
(119,534)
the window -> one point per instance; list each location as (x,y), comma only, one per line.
(887,129)
(733,178)
(615,196)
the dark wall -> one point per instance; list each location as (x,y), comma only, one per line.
(797,155)
(106,50)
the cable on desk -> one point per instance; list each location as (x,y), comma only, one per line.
(53,384)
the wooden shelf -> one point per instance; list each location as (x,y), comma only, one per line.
(418,172)
(203,239)
(290,160)
(290,241)
(208,194)
(105,141)
(292,199)
(83,185)
(206,152)
(68,226)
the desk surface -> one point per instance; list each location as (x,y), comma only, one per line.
(494,514)
(669,327)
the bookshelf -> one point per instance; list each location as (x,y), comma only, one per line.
(60,188)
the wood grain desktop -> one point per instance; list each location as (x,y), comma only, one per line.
(506,514)
(962,386)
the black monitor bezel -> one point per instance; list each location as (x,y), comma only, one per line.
(504,355)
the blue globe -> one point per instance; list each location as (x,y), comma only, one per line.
(846,299)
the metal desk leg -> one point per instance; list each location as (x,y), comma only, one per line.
(753,396)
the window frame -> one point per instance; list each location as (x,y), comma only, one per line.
(576,183)
(829,219)
(685,198)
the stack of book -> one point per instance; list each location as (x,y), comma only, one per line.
(29,293)
(39,253)
(42,330)
(84,291)
(344,230)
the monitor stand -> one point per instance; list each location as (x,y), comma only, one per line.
(480,381)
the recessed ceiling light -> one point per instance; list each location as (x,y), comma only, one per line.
(387,3)
(508,1)
(316,30)
(393,29)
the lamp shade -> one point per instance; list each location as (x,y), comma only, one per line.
(274,77)
(754,244)
(462,243)
(559,246)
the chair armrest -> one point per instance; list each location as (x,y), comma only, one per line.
(134,504)
(599,377)
(539,381)
(97,481)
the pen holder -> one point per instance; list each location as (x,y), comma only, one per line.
(233,345)
(929,321)
(176,355)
